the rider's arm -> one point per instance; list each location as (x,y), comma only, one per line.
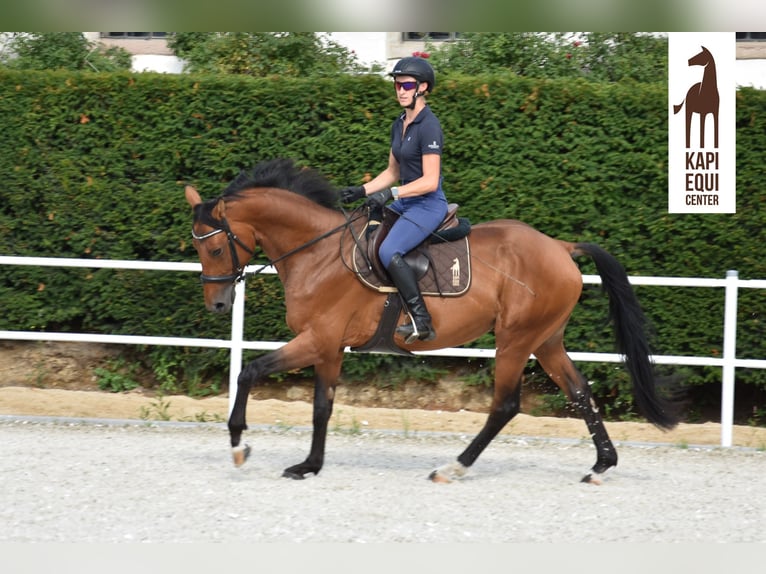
(386,178)
(428,182)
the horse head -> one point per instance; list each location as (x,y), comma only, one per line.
(222,253)
(702,59)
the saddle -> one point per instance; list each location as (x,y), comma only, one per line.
(441,263)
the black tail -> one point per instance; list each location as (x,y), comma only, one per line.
(630,324)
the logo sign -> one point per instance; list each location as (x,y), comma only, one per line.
(701,122)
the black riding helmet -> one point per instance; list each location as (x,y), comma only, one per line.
(416,67)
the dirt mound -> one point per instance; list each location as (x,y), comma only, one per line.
(58,380)
(72,366)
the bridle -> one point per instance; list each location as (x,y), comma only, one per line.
(238,271)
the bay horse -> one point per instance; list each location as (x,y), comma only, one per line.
(524,287)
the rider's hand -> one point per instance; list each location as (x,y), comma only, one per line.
(379,198)
(352,193)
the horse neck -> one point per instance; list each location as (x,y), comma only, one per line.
(709,76)
(283,221)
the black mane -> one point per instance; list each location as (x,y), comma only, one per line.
(284,174)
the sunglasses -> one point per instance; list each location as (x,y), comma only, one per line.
(406,85)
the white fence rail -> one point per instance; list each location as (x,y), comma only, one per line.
(728,362)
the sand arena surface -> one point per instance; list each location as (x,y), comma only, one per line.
(174,482)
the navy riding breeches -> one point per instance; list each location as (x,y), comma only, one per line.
(419,217)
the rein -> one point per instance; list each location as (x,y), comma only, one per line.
(238,273)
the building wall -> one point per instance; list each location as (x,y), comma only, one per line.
(149,55)
(382,48)
(385,48)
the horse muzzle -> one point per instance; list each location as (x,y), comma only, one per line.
(218,298)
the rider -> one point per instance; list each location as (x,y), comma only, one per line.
(414,161)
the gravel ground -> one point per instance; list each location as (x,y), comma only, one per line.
(101,481)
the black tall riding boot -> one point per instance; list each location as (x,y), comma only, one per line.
(407,284)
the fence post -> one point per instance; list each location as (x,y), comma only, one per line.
(729,357)
(237,337)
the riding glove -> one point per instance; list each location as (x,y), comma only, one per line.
(379,198)
(352,193)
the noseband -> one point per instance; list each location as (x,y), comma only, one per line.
(238,270)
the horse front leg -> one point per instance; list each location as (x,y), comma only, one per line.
(252,372)
(325,379)
(300,352)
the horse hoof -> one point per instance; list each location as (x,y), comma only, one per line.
(448,472)
(294,475)
(437,477)
(594,479)
(240,454)
(299,471)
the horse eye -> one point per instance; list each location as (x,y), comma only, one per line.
(216,252)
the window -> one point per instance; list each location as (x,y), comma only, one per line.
(429,36)
(133,35)
(751,36)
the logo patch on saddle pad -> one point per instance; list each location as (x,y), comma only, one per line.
(443,267)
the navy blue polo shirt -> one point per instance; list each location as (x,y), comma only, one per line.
(424,136)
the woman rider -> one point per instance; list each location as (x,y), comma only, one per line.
(414,162)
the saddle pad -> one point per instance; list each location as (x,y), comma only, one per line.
(448,273)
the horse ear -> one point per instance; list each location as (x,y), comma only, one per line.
(192,196)
(220,209)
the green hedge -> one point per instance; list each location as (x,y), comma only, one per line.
(93,165)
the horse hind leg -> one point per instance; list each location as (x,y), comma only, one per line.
(559,367)
(505,405)
(689,113)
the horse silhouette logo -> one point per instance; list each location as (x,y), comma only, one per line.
(455,272)
(702,98)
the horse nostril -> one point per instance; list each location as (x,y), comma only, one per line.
(219,308)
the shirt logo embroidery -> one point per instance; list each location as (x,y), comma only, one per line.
(433,145)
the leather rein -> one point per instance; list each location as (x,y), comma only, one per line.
(238,270)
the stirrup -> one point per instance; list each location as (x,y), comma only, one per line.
(411,334)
